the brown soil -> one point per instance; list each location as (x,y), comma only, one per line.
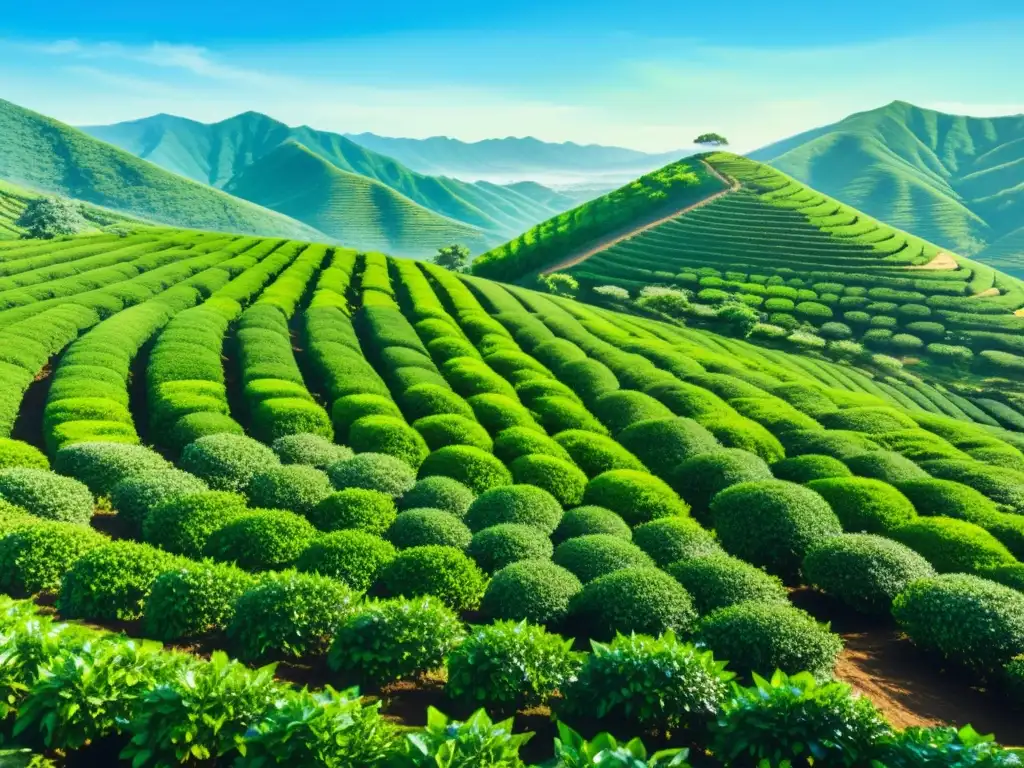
(942,260)
(987,292)
(607,242)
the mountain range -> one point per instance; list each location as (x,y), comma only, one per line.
(957,181)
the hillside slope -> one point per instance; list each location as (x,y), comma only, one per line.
(218,152)
(353,209)
(955,180)
(48,156)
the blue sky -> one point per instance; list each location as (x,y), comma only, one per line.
(648,75)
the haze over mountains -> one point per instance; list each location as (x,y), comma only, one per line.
(957,181)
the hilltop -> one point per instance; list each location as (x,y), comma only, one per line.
(957,181)
(218,153)
(45,155)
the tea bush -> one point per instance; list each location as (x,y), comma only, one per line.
(499,545)
(864,505)
(421,527)
(261,540)
(560,478)
(134,496)
(636,496)
(643,600)
(953,546)
(595,454)
(443,572)
(589,557)
(101,466)
(355,558)
(537,591)
(388,435)
(190,601)
(311,450)
(47,495)
(477,470)
(582,521)
(523,504)
(718,580)
(373,472)
(226,462)
(438,492)
(669,539)
(35,558)
(295,487)
(663,444)
(183,525)
(698,479)
(810,466)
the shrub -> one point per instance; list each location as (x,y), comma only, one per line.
(349,409)
(112,582)
(226,462)
(499,412)
(373,472)
(865,505)
(444,572)
(526,504)
(46,494)
(913,747)
(1003,486)
(134,496)
(885,465)
(662,444)
(745,434)
(102,465)
(193,600)
(953,546)
(476,469)
(560,479)
(388,435)
(595,453)
(790,717)
(643,600)
(583,521)
(588,378)
(279,416)
(512,443)
(294,487)
(617,410)
(669,539)
(946,498)
(872,420)
(762,637)
(651,684)
(261,540)
(312,450)
(593,555)
(391,640)
(182,525)
(35,558)
(448,429)
(421,527)
(864,571)
(699,478)
(972,621)
(685,399)
(354,558)
(717,580)
(810,466)
(438,492)
(636,496)
(838,444)
(288,614)
(509,666)
(533,590)
(423,400)
(499,545)
(15,453)
(772,523)
(355,508)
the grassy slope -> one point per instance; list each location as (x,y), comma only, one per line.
(216,153)
(958,181)
(46,155)
(358,211)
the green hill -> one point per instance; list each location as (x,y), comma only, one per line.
(219,152)
(45,155)
(353,209)
(957,181)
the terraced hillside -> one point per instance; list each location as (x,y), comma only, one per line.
(225,442)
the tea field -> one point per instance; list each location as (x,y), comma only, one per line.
(225,453)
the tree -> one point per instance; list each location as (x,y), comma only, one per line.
(738,317)
(660,298)
(711,140)
(559,283)
(453,257)
(49,217)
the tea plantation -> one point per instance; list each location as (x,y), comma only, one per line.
(438,489)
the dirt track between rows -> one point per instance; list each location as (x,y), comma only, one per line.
(942,261)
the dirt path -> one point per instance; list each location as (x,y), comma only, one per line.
(610,240)
(942,260)
(987,292)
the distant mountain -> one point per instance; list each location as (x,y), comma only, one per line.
(45,155)
(513,156)
(218,153)
(957,181)
(350,208)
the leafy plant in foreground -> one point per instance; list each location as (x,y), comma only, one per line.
(603,751)
(476,743)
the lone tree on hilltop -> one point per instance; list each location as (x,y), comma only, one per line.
(711,140)
(49,217)
(453,257)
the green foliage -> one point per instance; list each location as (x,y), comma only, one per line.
(371,511)
(558,283)
(763,637)
(772,523)
(183,525)
(389,640)
(226,462)
(388,435)
(866,572)
(421,527)
(509,666)
(355,558)
(1003,486)
(474,468)
(14,453)
(537,591)
(669,539)
(595,454)
(885,465)
(261,540)
(190,601)
(524,504)
(47,494)
(295,487)
(476,742)
(591,556)
(374,472)
(636,496)
(350,408)
(590,519)
(45,218)
(699,478)
(438,492)
(969,620)
(442,572)
(797,720)
(514,442)
(663,444)
(953,546)
(942,746)
(137,494)
(452,257)
(312,450)
(499,545)
(35,558)
(573,751)
(717,580)
(865,505)
(810,466)
(643,600)
(288,614)
(559,478)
